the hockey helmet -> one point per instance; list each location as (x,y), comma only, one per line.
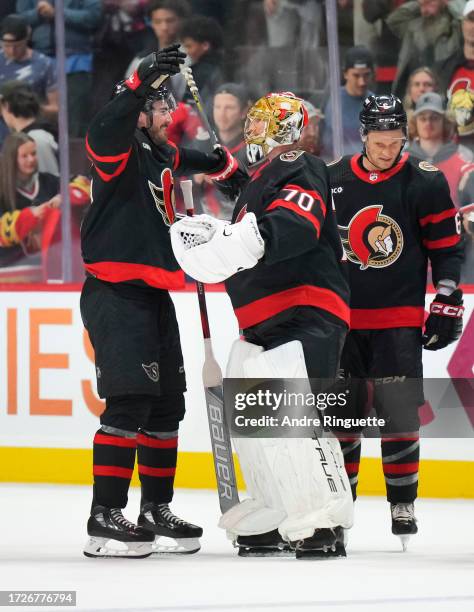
(382,113)
(274,120)
(161,93)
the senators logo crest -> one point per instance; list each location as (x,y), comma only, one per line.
(164,196)
(372,240)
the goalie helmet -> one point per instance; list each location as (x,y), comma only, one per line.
(274,120)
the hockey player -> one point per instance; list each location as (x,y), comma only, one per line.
(129,314)
(281,260)
(394,213)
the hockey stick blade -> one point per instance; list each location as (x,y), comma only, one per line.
(221,449)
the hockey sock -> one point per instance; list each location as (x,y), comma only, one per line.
(400,457)
(351,448)
(114,458)
(157,456)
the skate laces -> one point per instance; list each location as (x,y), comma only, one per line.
(403,512)
(119,519)
(166,513)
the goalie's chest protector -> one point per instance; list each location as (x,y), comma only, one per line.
(125,234)
(290,198)
(387,222)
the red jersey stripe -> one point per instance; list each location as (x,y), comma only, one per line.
(118,272)
(146,470)
(387,318)
(400,468)
(442,243)
(437,217)
(305,295)
(156,442)
(115,441)
(112,470)
(298,210)
(313,194)
(106,158)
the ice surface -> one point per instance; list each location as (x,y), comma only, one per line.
(42,532)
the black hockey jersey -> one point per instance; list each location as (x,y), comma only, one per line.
(125,233)
(390,224)
(301,266)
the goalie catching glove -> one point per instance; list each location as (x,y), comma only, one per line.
(444,324)
(211,250)
(156,66)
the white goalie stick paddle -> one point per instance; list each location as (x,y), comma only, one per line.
(212,380)
(191,83)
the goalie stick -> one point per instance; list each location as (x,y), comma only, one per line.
(212,380)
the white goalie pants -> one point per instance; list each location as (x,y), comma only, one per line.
(295,485)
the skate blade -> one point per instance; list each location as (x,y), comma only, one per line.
(104,547)
(404,539)
(326,552)
(175,546)
(265,552)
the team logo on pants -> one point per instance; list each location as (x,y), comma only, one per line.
(164,196)
(371,239)
(152,371)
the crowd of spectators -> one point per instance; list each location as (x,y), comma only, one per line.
(422,50)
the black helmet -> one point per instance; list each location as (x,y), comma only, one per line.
(381,113)
(161,93)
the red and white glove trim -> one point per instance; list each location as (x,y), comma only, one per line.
(133,81)
(447,310)
(228,170)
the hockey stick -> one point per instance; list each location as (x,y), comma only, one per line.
(212,379)
(191,83)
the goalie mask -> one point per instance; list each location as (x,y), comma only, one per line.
(274,120)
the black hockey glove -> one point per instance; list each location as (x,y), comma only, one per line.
(157,66)
(444,324)
(226,164)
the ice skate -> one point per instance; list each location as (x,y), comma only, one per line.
(403,522)
(167,527)
(269,544)
(111,535)
(324,543)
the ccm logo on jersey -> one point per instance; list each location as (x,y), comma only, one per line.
(447,310)
(337,189)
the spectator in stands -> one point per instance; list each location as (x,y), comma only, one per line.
(82,18)
(459,64)
(293,23)
(20,110)
(358,73)
(166,19)
(230,105)
(310,140)
(420,81)
(26,198)
(202,39)
(121,36)
(429,31)
(371,30)
(431,135)
(19,62)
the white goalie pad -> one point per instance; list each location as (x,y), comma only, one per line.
(295,484)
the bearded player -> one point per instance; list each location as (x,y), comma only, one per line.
(395,215)
(280,258)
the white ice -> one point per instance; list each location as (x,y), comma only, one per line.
(42,531)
